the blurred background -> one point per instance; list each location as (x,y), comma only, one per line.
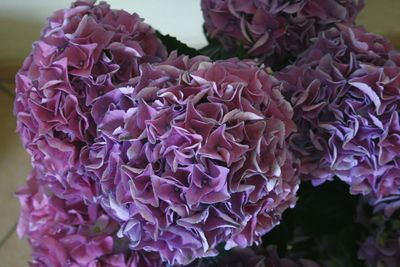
(20,24)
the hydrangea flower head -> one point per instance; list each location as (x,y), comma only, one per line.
(345,93)
(274,30)
(192,154)
(65,232)
(382,245)
(84,52)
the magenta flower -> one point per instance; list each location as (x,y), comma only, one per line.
(193,154)
(274,30)
(84,52)
(345,95)
(71,233)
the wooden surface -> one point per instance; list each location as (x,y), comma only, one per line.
(381,16)
(14,167)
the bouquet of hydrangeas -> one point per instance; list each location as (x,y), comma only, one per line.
(275,145)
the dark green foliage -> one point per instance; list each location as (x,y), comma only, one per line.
(215,51)
(173,44)
(321,227)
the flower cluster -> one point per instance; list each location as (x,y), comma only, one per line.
(388,206)
(141,158)
(382,246)
(381,249)
(71,233)
(193,154)
(274,30)
(84,52)
(345,96)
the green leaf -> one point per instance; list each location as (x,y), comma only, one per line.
(173,44)
(321,227)
(216,51)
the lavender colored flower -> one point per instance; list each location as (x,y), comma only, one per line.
(84,52)
(192,154)
(274,30)
(345,94)
(71,233)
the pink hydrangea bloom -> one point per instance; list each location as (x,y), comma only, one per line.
(71,233)
(192,154)
(84,52)
(274,30)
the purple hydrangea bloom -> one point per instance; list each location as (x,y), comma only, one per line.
(386,205)
(192,154)
(84,52)
(274,30)
(382,246)
(381,250)
(71,233)
(345,94)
